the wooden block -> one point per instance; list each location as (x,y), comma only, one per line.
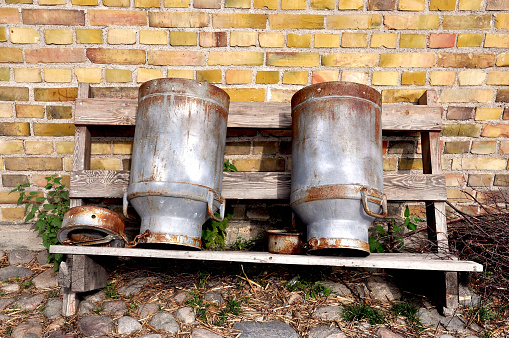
(87,275)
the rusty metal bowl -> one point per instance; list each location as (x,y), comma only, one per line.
(90,225)
(285,242)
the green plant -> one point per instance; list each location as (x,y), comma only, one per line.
(49,211)
(228,166)
(26,284)
(2,293)
(52,294)
(409,311)
(98,309)
(111,291)
(392,239)
(356,312)
(482,313)
(203,279)
(243,244)
(311,290)
(8,331)
(233,307)
(214,233)
(200,306)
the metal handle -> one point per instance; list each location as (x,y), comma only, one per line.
(380,201)
(210,203)
(105,240)
(124,205)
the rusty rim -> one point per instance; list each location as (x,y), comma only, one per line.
(333,246)
(285,242)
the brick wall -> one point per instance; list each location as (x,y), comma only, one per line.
(257,50)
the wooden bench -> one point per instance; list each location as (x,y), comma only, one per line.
(81,274)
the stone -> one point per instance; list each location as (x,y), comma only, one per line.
(4,318)
(180,297)
(152,335)
(85,307)
(147,310)
(382,290)
(273,329)
(56,324)
(29,329)
(331,312)
(294,298)
(339,289)
(446,336)
(114,307)
(10,287)
(17,257)
(134,286)
(323,331)
(2,253)
(96,297)
(53,308)
(4,302)
(455,323)
(213,297)
(165,321)
(386,333)
(46,280)
(429,317)
(31,303)
(204,333)
(91,326)
(185,315)
(42,257)
(127,325)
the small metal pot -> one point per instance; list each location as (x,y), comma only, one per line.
(90,225)
(285,242)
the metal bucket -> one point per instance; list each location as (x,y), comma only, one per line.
(337,175)
(177,161)
(285,242)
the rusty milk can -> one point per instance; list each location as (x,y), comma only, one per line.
(337,177)
(177,162)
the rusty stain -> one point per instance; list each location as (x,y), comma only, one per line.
(157,237)
(283,242)
(335,243)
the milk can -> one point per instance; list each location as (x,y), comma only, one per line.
(337,176)
(177,162)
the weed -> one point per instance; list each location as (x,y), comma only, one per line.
(311,290)
(202,283)
(133,306)
(233,307)
(26,284)
(482,313)
(165,278)
(200,306)
(15,308)
(228,166)
(409,311)
(356,312)
(110,291)
(52,294)
(243,244)
(98,309)
(2,293)
(214,233)
(41,308)
(8,331)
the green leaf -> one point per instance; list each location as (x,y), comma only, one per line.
(49,206)
(407,211)
(33,193)
(412,227)
(13,190)
(40,199)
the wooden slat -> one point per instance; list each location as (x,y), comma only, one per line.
(395,117)
(385,261)
(259,185)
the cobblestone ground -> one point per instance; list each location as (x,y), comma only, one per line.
(167,298)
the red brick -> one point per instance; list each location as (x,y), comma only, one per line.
(381,5)
(213,39)
(442,40)
(55,55)
(9,15)
(502,95)
(466,60)
(8,54)
(116,56)
(53,17)
(460,113)
(113,18)
(495,130)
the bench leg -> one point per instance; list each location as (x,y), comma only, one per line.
(70,302)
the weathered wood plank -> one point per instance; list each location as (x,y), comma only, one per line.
(87,275)
(259,185)
(395,117)
(396,261)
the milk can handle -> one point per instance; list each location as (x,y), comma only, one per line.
(380,201)
(210,203)
(124,204)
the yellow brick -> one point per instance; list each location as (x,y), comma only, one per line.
(100,148)
(237,3)
(58,36)
(235,58)
(281,95)
(52,2)
(293,59)
(483,114)
(411,21)
(176,58)
(300,41)
(57,75)
(293,4)
(402,95)
(5,74)
(503,60)
(27,75)
(89,36)
(6,110)
(116,3)
(479,163)
(54,129)
(84,2)
(466,95)
(326,40)
(13,214)
(385,78)
(147,3)
(498,77)
(295,77)
(269,4)
(183,38)
(209,75)
(181,73)
(442,5)
(354,21)
(65,147)
(68,162)
(88,75)
(239,76)
(105,164)
(350,60)
(153,37)
(122,148)
(145,74)
(243,39)
(470,40)
(323,4)
(177,3)
(354,76)
(10,147)
(256,164)
(350,4)
(412,41)
(246,94)
(413,78)
(387,40)
(39,147)
(29,111)
(407,60)
(267,77)
(271,39)
(496,41)
(239,20)
(470,5)
(471,77)
(349,39)
(118,75)
(3,36)
(320,76)
(502,21)
(24,35)
(442,78)
(121,36)
(389,164)
(411,5)
(296,21)
(59,112)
